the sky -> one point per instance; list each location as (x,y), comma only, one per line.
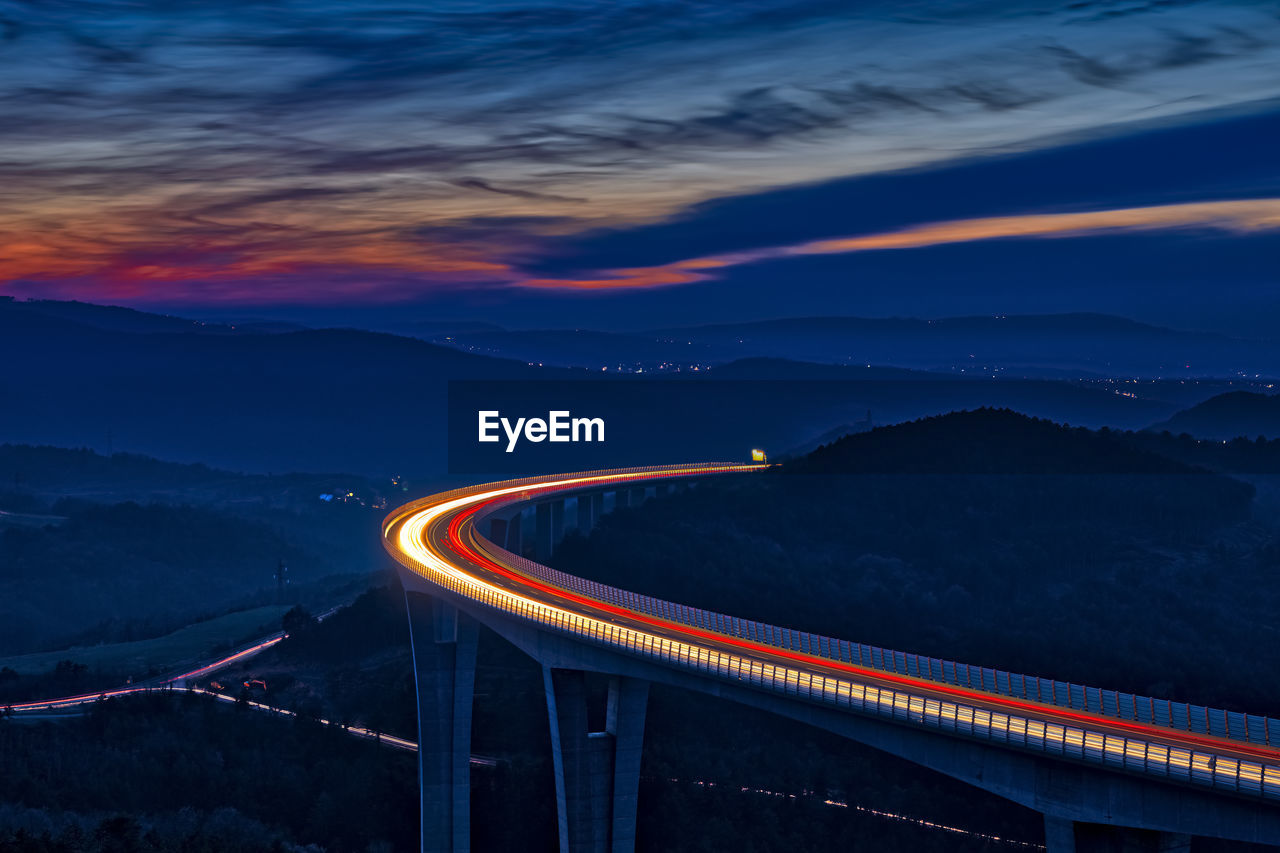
(633,164)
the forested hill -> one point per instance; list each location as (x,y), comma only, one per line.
(985,441)
(313,400)
(1227,416)
(125,547)
(55,472)
(986,537)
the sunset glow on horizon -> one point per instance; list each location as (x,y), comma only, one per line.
(269,156)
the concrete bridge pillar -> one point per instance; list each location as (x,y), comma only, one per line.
(624,722)
(1059,835)
(542,531)
(498,531)
(1174,842)
(585,518)
(597,774)
(557,522)
(569,517)
(637,496)
(1062,835)
(444,668)
(548,528)
(514,525)
(597,507)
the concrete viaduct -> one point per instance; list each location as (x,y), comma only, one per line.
(1108,770)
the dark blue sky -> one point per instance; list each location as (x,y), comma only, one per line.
(633,164)
(1191,277)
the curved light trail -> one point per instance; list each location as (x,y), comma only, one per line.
(206,669)
(161,683)
(437,538)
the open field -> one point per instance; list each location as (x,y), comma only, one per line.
(140,656)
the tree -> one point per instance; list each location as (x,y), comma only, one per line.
(298,622)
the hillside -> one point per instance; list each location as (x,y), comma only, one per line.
(50,473)
(151,565)
(376,404)
(321,400)
(1051,345)
(985,441)
(1231,415)
(1041,346)
(986,537)
(127,547)
(107,317)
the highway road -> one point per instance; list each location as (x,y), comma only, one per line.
(201,670)
(45,705)
(70,706)
(78,706)
(438,538)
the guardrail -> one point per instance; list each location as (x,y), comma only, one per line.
(1199,767)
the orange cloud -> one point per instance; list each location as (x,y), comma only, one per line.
(1242,215)
(254,262)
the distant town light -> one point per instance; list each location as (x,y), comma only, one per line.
(758,455)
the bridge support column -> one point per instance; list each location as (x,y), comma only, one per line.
(637,496)
(624,722)
(1062,835)
(1059,835)
(498,531)
(585,519)
(557,523)
(621,498)
(597,507)
(514,524)
(542,534)
(444,668)
(597,773)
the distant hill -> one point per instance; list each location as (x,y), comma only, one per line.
(784,368)
(323,400)
(865,425)
(49,473)
(567,347)
(1041,346)
(431,329)
(145,545)
(113,318)
(1226,416)
(138,566)
(315,400)
(1034,345)
(985,441)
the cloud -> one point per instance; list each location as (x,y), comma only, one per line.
(288,195)
(1237,216)
(245,138)
(480,184)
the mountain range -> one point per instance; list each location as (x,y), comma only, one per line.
(1044,346)
(266,398)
